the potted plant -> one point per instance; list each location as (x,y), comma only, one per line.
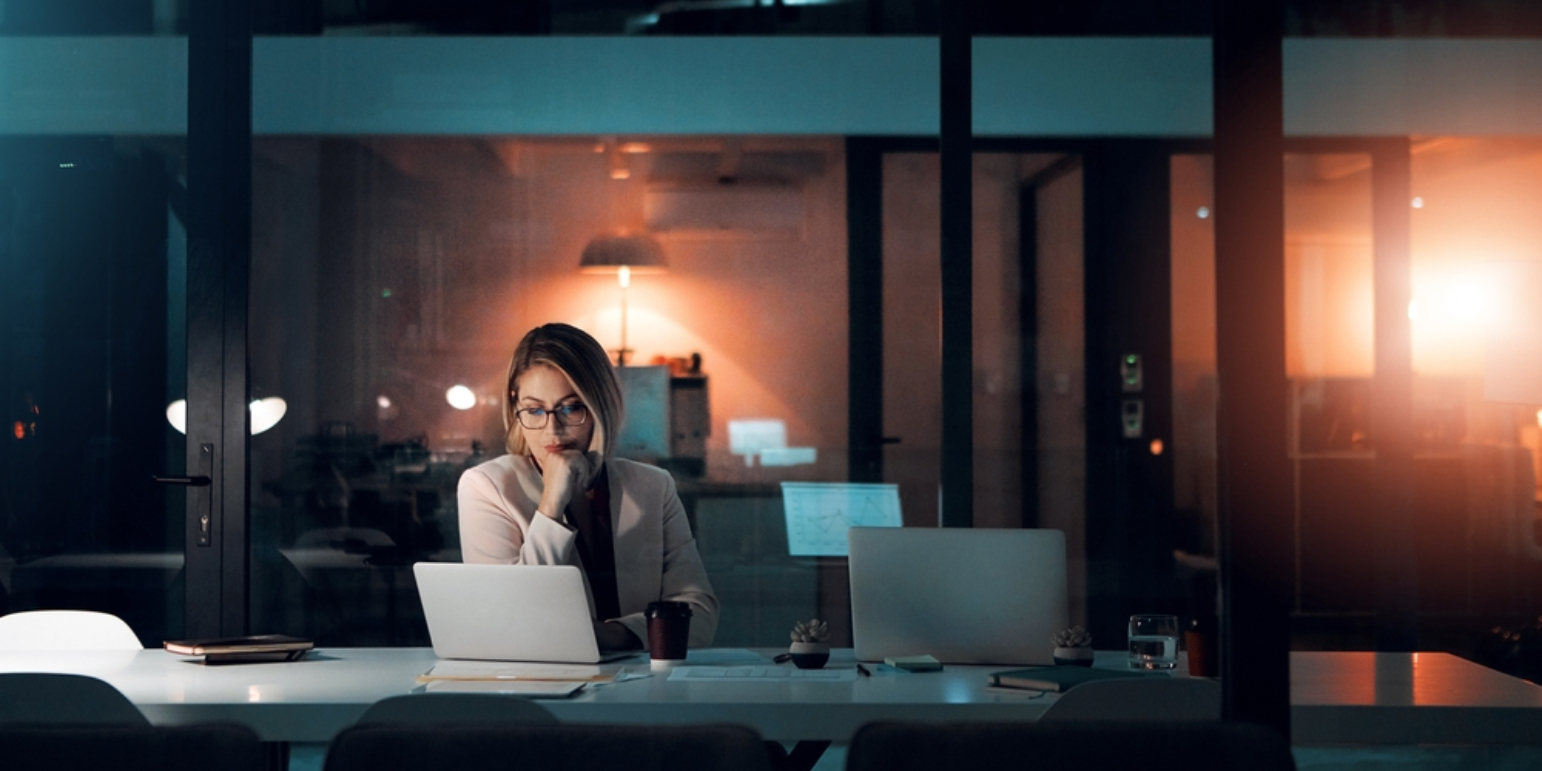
(808,649)
(1073,647)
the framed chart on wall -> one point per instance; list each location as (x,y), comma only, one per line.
(819,514)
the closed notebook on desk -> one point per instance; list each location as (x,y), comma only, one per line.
(239,650)
(963,596)
(1057,679)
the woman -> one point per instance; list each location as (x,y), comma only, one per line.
(559,498)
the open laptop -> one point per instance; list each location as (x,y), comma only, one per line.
(508,613)
(964,596)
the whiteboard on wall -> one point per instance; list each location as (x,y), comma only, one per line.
(819,514)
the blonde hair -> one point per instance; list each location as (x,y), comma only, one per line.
(574,353)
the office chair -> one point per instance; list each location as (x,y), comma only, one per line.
(457,709)
(1177,699)
(121,748)
(45,698)
(1149,746)
(65,630)
(406,747)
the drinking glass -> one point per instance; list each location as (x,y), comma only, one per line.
(1153,641)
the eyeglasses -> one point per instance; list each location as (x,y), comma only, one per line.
(567,415)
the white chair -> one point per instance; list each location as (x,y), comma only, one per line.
(65,630)
(1144,700)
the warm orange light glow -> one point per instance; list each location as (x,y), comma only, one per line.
(1465,302)
(636,147)
(1156,446)
(618,164)
(1539,418)
(624,276)
(21,431)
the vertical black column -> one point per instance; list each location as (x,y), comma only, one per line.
(864,279)
(957,130)
(1394,518)
(219,142)
(1127,293)
(1255,481)
(1028,344)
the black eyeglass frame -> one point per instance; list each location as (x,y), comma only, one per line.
(574,414)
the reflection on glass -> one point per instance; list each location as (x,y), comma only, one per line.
(91,259)
(392,278)
(1476,502)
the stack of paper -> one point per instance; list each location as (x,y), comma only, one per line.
(522,678)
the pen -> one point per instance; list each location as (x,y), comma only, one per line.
(861,670)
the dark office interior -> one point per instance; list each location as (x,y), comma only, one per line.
(1028,331)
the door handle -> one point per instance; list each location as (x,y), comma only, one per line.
(198,481)
(889,440)
(204,498)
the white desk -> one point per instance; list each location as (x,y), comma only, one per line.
(312,699)
(1337,698)
(1408,698)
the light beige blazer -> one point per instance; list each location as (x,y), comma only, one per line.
(656,557)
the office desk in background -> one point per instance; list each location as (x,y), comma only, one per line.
(1338,698)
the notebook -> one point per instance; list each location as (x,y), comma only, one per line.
(508,613)
(964,596)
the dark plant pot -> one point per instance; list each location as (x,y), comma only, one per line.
(809,655)
(1073,657)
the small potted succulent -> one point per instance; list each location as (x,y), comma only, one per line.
(1073,647)
(808,649)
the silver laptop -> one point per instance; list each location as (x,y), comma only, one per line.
(508,613)
(964,596)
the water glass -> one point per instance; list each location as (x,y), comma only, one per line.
(1153,641)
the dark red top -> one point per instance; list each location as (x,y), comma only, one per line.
(597,548)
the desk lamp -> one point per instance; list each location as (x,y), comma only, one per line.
(623,253)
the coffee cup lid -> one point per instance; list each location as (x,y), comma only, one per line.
(668,608)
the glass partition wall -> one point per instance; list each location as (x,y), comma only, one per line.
(393,276)
(1475,503)
(92,301)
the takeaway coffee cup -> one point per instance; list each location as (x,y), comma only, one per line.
(669,627)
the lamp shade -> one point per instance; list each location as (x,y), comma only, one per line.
(636,251)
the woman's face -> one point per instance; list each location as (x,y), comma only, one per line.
(548,388)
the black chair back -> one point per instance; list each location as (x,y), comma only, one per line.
(1167,700)
(1149,746)
(38,698)
(407,747)
(123,748)
(458,709)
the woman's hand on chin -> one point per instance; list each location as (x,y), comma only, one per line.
(563,474)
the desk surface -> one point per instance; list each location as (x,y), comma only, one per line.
(1409,698)
(1337,698)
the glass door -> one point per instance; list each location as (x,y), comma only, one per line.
(92,277)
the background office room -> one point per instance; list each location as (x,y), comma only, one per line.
(284,271)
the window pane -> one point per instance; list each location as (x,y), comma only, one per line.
(1476,434)
(92,17)
(92,277)
(392,279)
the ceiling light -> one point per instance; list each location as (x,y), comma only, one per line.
(460,397)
